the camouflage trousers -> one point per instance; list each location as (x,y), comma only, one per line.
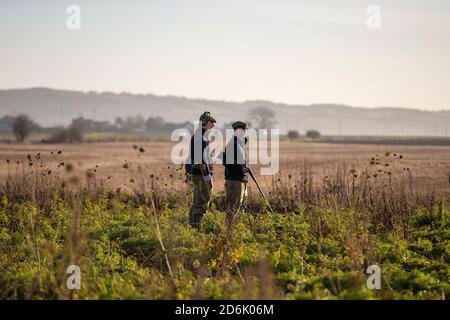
(235,197)
(201,198)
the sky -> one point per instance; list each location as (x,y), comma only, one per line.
(297,52)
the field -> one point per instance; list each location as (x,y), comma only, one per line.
(119,211)
(430,165)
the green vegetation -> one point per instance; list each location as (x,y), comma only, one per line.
(318,254)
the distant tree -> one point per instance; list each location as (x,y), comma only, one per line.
(22,126)
(134,123)
(313,134)
(60,136)
(293,134)
(75,132)
(154,123)
(71,134)
(264,117)
(119,122)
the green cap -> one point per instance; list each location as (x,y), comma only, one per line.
(239,125)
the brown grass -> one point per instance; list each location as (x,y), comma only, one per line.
(429,165)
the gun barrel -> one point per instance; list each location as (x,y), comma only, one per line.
(259,188)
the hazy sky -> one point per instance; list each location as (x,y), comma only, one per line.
(286,51)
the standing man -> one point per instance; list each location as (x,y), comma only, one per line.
(236,171)
(200,168)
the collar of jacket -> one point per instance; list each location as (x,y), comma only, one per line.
(237,135)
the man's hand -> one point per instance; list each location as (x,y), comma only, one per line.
(202,167)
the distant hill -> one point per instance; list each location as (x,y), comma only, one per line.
(51,107)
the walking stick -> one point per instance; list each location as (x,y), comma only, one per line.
(259,188)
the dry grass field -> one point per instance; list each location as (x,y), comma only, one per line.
(429,165)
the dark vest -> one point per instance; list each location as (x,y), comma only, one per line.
(233,169)
(191,167)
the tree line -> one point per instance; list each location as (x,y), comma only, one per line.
(22,126)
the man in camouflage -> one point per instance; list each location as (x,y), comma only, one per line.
(200,169)
(236,171)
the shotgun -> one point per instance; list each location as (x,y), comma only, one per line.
(259,188)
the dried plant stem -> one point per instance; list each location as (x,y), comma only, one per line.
(163,248)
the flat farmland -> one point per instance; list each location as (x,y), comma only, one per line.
(428,165)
